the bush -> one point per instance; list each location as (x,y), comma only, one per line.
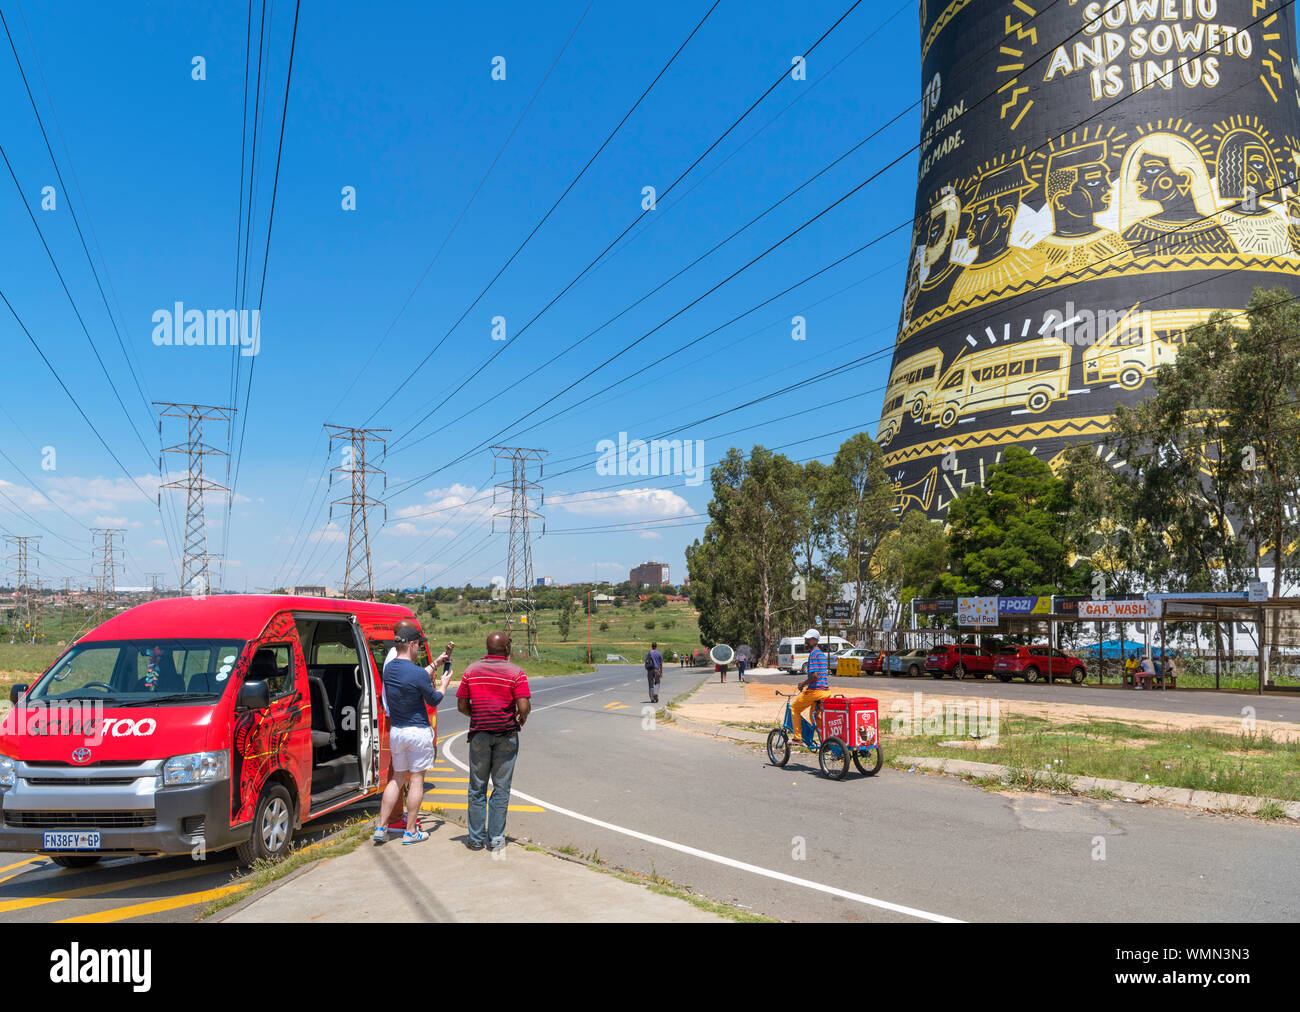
(604,626)
(650,624)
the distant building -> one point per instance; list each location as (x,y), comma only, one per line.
(649,574)
(310,592)
(544,581)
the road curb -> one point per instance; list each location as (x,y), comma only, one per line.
(1209,801)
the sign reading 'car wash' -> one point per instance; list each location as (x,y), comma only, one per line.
(1119,609)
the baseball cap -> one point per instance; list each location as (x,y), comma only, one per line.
(812,634)
(407,631)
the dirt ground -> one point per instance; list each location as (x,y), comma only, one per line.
(761,705)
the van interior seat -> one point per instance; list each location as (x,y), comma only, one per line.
(344,696)
(322,716)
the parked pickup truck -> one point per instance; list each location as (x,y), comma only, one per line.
(959,660)
(1035,663)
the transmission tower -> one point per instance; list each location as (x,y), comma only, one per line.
(195,575)
(358,574)
(104,570)
(519,563)
(155,585)
(26,613)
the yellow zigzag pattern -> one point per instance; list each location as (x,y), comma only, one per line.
(1200,260)
(996,437)
(954,8)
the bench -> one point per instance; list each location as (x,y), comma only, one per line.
(1149,681)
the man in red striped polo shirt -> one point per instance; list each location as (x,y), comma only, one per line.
(494,695)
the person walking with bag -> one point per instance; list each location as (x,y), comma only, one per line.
(654,670)
(494,694)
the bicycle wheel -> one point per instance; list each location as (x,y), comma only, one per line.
(867,769)
(833,757)
(778,746)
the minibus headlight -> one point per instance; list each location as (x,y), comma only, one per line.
(196,768)
(8,771)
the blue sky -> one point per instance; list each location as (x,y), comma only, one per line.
(399,103)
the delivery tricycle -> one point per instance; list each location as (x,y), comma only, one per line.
(842,727)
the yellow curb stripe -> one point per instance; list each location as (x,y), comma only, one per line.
(110,887)
(154,906)
(429,806)
(451,780)
(20,864)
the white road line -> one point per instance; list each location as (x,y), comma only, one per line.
(547,707)
(706,855)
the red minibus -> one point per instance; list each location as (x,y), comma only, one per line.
(194,724)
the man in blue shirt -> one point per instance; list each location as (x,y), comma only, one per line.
(814,687)
(408,687)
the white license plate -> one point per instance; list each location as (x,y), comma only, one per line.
(71,841)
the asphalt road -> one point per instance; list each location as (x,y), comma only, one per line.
(934,845)
(789,843)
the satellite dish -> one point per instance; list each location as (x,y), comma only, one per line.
(722,654)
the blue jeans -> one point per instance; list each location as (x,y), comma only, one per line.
(490,755)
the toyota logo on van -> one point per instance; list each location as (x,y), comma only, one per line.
(81,755)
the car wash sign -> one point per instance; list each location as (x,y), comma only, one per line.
(1108,610)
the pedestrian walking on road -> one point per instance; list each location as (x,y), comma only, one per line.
(494,694)
(654,670)
(407,689)
(740,666)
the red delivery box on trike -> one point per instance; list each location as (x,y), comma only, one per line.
(842,727)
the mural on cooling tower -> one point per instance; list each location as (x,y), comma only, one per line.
(1132,169)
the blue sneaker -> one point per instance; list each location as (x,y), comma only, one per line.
(417,837)
(381,836)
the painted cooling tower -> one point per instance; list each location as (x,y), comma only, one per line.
(1095,178)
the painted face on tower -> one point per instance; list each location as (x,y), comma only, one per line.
(1090,194)
(1260,176)
(1157,180)
(986,224)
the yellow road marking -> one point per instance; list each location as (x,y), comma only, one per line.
(449,780)
(154,906)
(20,864)
(615,706)
(447,790)
(110,887)
(429,806)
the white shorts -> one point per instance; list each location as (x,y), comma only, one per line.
(412,749)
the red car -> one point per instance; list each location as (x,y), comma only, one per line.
(959,660)
(1034,663)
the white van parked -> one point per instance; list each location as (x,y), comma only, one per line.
(791,654)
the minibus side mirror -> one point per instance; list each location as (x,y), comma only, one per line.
(254,696)
(16,693)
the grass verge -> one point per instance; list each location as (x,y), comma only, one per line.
(1042,754)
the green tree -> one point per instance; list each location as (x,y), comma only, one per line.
(813,542)
(1008,536)
(565,619)
(911,560)
(861,507)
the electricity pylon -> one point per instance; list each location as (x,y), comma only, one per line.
(195,574)
(26,614)
(519,562)
(358,574)
(104,569)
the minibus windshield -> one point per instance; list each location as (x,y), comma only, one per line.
(173,672)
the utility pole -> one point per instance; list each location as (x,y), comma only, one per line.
(104,569)
(195,574)
(25,618)
(358,574)
(519,564)
(155,588)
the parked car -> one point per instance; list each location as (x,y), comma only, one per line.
(959,660)
(875,663)
(909,662)
(861,653)
(1034,663)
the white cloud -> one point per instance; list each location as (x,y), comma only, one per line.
(650,535)
(330,533)
(640,502)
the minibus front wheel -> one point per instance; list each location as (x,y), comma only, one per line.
(272,828)
(74,860)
